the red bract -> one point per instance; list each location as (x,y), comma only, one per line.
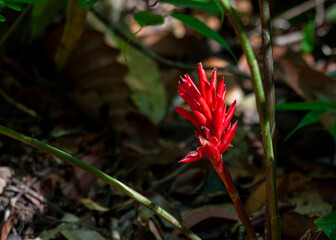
(209,115)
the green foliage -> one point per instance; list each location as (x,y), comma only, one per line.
(307,43)
(205,5)
(309,118)
(331,13)
(328,225)
(86,4)
(221,9)
(203,29)
(16,5)
(317,109)
(147,18)
(307,106)
(43,12)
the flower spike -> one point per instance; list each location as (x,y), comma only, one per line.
(214,131)
(209,116)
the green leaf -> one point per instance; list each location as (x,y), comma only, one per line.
(144,80)
(331,13)
(203,29)
(307,106)
(221,9)
(14,6)
(205,5)
(43,12)
(147,18)
(308,41)
(328,224)
(309,118)
(86,4)
(2,18)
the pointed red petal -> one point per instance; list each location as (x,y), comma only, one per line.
(190,84)
(189,116)
(219,117)
(213,86)
(193,156)
(227,138)
(205,108)
(229,115)
(190,101)
(203,80)
(220,95)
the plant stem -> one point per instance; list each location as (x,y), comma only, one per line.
(224,174)
(101,175)
(263,116)
(270,105)
(4,37)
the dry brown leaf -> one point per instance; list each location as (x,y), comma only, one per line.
(74,27)
(190,180)
(295,225)
(208,217)
(81,180)
(7,226)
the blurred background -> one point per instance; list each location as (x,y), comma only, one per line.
(98,79)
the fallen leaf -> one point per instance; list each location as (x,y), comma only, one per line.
(90,204)
(207,218)
(295,225)
(7,226)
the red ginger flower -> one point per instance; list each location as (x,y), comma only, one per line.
(209,115)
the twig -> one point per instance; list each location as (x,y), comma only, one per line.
(20,106)
(262,110)
(159,58)
(272,219)
(101,175)
(13,27)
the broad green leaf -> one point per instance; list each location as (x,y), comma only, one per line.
(308,41)
(221,9)
(205,5)
(309,118)
(43,12)
(14,6)
(147,18)
(203,29)
(148,92)
(331,13)
(307,106)
(144,80)
(328,224)
(86,4)
(2,18)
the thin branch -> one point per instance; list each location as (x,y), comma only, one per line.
(159,58)
(271,191)
(101,175)
(4,38)
(263,116)
(18,105)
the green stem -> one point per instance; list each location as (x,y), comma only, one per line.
(224,174)
(263,116)
(270,106)
(4,38)
(101,175)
